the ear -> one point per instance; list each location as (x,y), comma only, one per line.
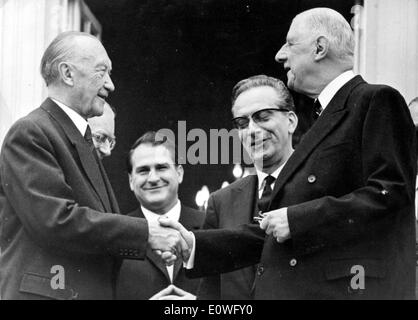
(66,72)
(321,48)
(131,184)
(180,173)
(293,121)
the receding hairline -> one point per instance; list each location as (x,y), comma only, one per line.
(262,80)
(67,46)
(314,12)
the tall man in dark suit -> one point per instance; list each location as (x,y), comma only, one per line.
(61,234)
(263,112)
(154,177)
(341,224)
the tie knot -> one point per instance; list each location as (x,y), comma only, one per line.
(269,179)
(264,201)
(317,109)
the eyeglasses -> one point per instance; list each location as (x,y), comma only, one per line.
(259,116)
(101,139)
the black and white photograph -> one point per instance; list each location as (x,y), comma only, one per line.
(208,150)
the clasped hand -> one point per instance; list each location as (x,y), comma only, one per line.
(170,240)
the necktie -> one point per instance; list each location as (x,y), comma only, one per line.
(317,109)
(88,137)
(264,201)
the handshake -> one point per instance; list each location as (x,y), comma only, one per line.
(170,240)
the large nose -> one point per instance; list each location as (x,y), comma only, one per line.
(109,83)
(153,176)
(281,55)
(253,127)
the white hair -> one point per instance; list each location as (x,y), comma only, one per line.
(62,48)
(332,25)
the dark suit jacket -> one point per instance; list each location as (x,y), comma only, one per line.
(56,209)
(349,189)
(140,280)
(228,208)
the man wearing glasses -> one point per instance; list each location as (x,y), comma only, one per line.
(264,115)
(103,131)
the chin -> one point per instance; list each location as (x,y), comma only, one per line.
(97,108)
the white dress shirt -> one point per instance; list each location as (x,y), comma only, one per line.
(152,218)
(262,175)
(332,88)
(78,120)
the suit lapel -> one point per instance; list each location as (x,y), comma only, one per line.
(329,119)
(91,167)
(112,198)
(243,207)
(88,161)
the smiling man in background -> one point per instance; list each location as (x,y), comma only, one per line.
(154,178)
(264,115)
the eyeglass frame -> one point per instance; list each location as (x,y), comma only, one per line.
(251,116)
(101,138)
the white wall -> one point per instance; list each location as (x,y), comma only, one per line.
(389,44)
(26,29)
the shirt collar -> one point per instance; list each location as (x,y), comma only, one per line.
(78,120)
(173,213)
(262,175)
(332,88)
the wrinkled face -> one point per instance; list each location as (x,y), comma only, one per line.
(297,56)
(155,178)
(269,141)
(103,131)
(92,82)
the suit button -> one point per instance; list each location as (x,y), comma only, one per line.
(260,270)
(293,262)
(311,178)
(384,192)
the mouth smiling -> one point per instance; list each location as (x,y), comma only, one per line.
(102,96)
(154,188)
(255,143)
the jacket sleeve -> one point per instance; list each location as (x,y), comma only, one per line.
(37,190)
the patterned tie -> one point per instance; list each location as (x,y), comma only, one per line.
(317,109)
(264,201)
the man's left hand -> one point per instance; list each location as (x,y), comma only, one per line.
(275,222)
